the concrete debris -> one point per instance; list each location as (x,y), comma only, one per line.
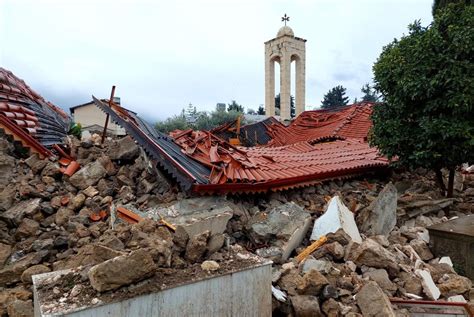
(278,294)
(286,225)
(306,306)
(429,287)
(457,299)
(381,216)
(122,270)
(322,266)
(123,149)
(337,216)
(446,260)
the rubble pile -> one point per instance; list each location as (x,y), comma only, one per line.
(48,220)
(343,247)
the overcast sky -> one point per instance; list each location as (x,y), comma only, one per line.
(162,55)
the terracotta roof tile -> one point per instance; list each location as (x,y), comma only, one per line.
(28,117)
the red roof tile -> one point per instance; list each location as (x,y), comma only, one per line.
(29,118)
(349,122)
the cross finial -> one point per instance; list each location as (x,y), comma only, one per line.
(285,18)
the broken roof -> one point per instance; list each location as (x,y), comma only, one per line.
(28,117)
(347,122)
(203,162)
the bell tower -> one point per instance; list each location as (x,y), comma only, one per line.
(285,49)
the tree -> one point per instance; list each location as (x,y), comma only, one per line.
(292,105)
(251,111)
(370,95)
(426,81)
(234,106)
(171,124)
(261,110)
(440,4)
(335,97)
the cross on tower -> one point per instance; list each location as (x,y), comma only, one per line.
(285,18)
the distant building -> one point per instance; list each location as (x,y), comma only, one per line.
(92,119)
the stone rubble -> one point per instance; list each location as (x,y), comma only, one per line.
(377,244)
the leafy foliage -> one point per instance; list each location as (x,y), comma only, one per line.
(426,80)
(440,4)
(335,97)
(370,94)
(204,120)
(234,106)
(261,110)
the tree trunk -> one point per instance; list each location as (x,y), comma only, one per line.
(439,179)
(451,182)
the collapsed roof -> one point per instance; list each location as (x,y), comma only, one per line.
(317,146)
(28,118)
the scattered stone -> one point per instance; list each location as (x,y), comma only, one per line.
(27,228)
(322,266)
(453,284)
(33,270)
(372,254)
(196,247)
(373,302)
(381,216)
(306,306)
(88,175)
(446,260)
(5,251)
(210,266)
(124,149)
(90,191)
(15,214)
(19,308)
(380,276)
(337,216)
(63,215)
(312,283)
(422,249)
(117,272)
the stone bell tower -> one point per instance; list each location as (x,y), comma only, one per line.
(284,49)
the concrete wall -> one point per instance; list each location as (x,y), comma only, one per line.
(90,115)
(243,293)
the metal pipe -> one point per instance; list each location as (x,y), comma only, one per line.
(104,133)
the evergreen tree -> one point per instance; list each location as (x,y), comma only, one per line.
(292,105)
(261,110)
(234,106)
(370,95)
(335,97)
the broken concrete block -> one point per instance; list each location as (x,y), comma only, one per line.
(381,216)
(88,175)
(429,287)
(372,254)
(121,270)
(446,260)
(322,266)
(210,265)
(457,299)
(373,302)
(287,223)
(124,149)
(337,216)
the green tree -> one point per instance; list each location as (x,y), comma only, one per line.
(335,97)
(440,4)
(171,124)
(370,95)
(234,106)
(251,111)
(292,105)
(426,80)
(261,110)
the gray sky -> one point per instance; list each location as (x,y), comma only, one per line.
(164,54)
